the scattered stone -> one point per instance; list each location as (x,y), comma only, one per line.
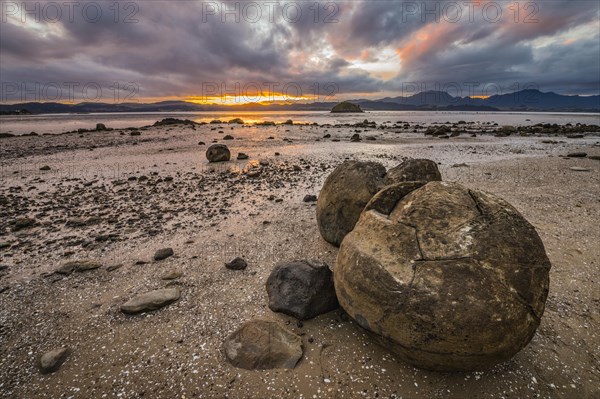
(451,279)
(237,264)
(150,301)
(309,198)
(302,289)
(355,138)
(4,245)
(237,120)
(344,195)
(51,361)
(112,268)
(288,122)
(263,345)
(45,168)
(577,155)
(460,165)
(242,155)
(173,275)
(575,136)
(579,169)
(163,254)
(228,137)
(78,266)
(218,153)
(594,157)
(100,126)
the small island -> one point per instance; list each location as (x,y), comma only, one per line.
(346,107)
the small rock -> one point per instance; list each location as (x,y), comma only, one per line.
(112,268)
(237,264)
(355,138)
(23,223)
(163,253)
(45,167)
(78,266)
(218,153)
(150,301)
(241,155)
(262,345)
(228,137)
(51,361)
(579,169)
(309,198)
(302,289)
(100,126)
(173,275)
(577,155)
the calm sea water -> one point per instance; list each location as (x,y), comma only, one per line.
(58,123)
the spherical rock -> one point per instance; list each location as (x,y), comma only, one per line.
(344,195)
(218,153)
(415,170)
(448,278)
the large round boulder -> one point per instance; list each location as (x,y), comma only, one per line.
(447,278)
(344,195)
(352,185)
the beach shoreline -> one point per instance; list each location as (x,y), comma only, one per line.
(92,202)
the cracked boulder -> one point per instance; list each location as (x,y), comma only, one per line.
(448,278)
(352,185)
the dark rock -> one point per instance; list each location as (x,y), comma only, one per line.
(241,156)
(310,198)
(577,155)
(51,361)
(150,301)
(450,279)
(228,137)
(163,253)
(288,122)
(237,120)
(100,126)
(302,289)
(263,345)
(355,138)
(237,264)
(45,168)
(218,153)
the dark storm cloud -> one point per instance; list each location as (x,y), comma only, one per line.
(176,47)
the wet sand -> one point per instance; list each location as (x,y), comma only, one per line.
(93,204)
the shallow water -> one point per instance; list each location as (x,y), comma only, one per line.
(58,123)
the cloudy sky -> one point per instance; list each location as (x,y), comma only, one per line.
(243,51)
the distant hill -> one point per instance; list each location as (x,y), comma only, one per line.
(524,100)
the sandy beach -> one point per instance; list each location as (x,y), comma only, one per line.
(116,198)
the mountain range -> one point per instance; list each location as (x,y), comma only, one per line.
(524,100)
